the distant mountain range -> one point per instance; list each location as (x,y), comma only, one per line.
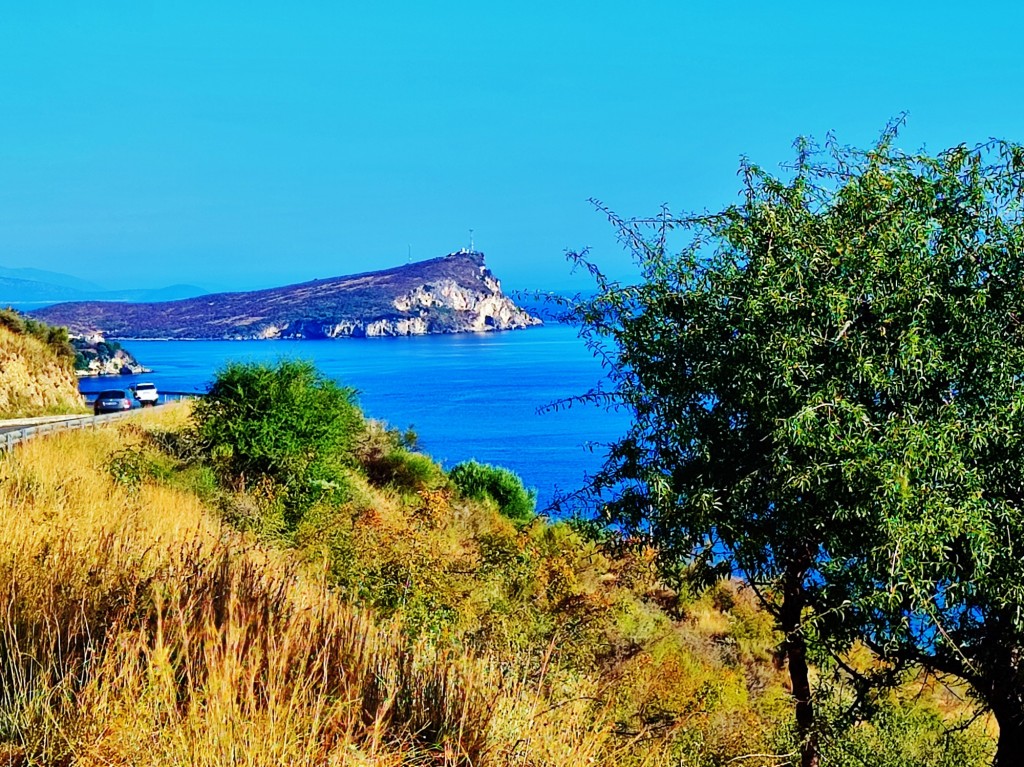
(50,278)
(452,294)
(37,286)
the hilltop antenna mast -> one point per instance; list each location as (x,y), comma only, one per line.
(471,250)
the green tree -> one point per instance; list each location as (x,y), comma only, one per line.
(286,422)
(826,387)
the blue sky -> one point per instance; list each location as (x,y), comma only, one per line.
(236,145)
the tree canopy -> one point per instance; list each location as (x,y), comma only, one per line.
(825,383)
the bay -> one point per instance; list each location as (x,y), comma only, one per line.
(466,395)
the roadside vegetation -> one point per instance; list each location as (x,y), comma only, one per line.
(169,601)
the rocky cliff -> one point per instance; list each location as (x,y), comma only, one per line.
(453,294)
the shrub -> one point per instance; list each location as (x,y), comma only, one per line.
(482,481)
(285,422)
(388,457)
(404,470)
(135,464)
(12,320)
(413,471)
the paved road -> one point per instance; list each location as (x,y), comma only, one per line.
(16,430)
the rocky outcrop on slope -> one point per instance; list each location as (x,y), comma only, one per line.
(95,356)
(453,294)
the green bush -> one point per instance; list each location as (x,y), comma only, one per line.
(899,734)
(286,423)
(388,457)
(482,481)
(12,320)
(404,470)
(412,471)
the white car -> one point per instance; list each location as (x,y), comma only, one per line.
(146,394)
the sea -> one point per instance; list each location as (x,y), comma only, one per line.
(482,396)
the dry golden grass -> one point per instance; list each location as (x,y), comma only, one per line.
(137,629)
(33,380)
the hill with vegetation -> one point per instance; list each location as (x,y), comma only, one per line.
(452,294)
(36,368)
(96,356)
(269,578)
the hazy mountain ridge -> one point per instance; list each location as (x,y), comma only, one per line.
(19,290)
(59,279)
(452,294)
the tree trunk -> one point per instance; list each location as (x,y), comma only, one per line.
(1010,751)
(999,678)
(796,651)
(791,614)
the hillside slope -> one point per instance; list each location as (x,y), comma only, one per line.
(403,624)
(140,628)
(455,293)
(36,370)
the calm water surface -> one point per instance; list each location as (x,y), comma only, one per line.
(466,396)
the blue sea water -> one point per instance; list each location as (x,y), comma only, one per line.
(466,396)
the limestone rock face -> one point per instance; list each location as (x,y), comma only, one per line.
(477,308)
(456,293)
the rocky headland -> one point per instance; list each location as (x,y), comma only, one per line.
(456,293)
(95,356)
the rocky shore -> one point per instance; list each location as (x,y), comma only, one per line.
(95,356)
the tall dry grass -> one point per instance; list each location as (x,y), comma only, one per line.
(135,629)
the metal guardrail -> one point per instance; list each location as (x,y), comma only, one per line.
(164,396)
(14,437)
(11,438)
(174,396)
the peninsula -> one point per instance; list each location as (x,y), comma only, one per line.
(456,293)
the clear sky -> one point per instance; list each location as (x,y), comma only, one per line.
(235,145)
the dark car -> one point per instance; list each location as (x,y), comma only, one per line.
(112,401)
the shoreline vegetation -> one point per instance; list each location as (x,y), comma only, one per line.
(96,357)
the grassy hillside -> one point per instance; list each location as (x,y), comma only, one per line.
(36,369)
(156,614)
